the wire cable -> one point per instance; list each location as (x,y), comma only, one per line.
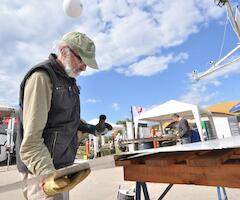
(224,36)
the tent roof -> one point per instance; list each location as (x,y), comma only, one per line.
(223,108)
(165,111)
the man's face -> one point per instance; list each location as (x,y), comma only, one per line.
(74,64)
(103,120)
(176,119)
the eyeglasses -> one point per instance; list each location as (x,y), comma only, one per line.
(77,56)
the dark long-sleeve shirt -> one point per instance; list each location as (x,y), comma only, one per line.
(183,128)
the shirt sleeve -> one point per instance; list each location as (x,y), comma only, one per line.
(36,105)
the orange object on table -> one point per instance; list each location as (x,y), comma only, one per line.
(155,143)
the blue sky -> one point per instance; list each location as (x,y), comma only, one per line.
(146,50)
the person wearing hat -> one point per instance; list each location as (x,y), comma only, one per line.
(49,117)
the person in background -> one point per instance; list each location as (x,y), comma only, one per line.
(49,117)
(195,137)
(103,126)
(183,129)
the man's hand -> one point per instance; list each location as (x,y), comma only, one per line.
(176,133)
(52,187)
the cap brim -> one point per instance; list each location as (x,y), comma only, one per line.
(90,62)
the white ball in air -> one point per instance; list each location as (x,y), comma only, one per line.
(72,8)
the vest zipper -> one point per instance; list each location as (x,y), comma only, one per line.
(54,143)
(59,88)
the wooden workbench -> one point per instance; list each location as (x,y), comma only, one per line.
(210,163)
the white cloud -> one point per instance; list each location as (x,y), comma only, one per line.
(216,83)
(8,87)
(27,32)
(125,31)
(115,106)
(93,101)
(198,94)
(210,9)
(132,29)
(152,65)
(110,10)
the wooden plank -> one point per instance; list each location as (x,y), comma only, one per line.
(129,162)
(169,159)
(211,158)
(235,156)
(122,163)
(237,152)
(123,156)
(227,175)
(160,159)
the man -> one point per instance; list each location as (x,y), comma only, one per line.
(50,116)
(103,126)
(183,130)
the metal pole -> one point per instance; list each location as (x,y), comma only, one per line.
(224,193)
(165,191)
(9,135)
(233,19)
(8,159)
(134,134)
(138,191)
(145,191)
(219,193)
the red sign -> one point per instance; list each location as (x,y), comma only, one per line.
(140,109)
(6,120)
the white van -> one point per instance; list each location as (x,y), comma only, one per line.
(3,142)
(7,133)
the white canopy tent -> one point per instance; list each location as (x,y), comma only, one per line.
(164,112)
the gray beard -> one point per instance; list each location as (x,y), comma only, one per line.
(70,72)
(68,69)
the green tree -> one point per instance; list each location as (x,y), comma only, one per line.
(124,123)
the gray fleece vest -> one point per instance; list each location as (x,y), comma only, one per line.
(60,132)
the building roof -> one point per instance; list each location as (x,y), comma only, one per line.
(223,108)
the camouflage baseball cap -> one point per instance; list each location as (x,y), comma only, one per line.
(83,45)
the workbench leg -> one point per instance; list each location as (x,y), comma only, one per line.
(219,193)
(224,193)
(145,191)
(225,197)
(165,191)
(138,191)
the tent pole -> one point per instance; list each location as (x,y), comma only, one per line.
(161,127)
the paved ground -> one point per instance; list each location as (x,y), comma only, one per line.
(103,185)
